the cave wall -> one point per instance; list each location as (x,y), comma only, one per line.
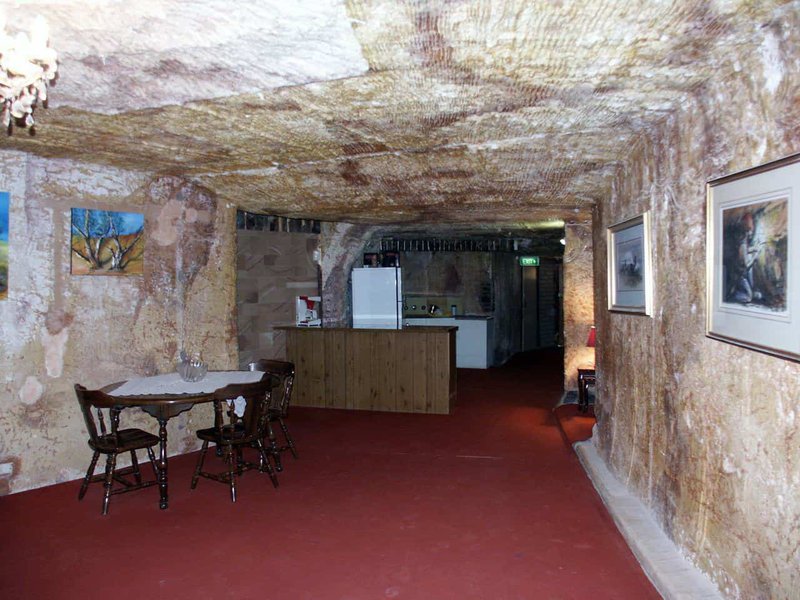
(342,246)
(478,283)
(57,329)
(704,432)
(578,300)
(465,279)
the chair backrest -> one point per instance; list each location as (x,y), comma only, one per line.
(257,398)
(95,399)
(284,370)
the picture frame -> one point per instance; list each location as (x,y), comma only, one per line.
(630,271)
(5,201)
(752,258)
(106,242)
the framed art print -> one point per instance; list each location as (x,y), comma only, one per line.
(105,242)
(4,202)
(752,260)
(630,278)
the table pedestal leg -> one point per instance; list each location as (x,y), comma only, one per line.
(162,463)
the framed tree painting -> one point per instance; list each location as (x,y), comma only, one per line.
(630,278)
(106,242)
(753,258)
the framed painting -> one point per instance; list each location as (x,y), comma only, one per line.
(752,258)
(4,208)
(630,278)
(105,242)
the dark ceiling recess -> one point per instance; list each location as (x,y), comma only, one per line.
(546,244)
(256,222)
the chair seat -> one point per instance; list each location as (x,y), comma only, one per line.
(126,439)
(228,434)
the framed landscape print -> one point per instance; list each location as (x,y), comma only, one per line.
(106,242)
(630,278)
(753,258)
(4,218)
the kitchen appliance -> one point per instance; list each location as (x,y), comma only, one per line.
(377,298)
(308,311)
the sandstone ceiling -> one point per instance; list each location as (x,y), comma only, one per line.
(380,111)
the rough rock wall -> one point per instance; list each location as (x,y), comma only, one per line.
(706,433)
(465,278)
(578,300)
(341,247)
(58,329)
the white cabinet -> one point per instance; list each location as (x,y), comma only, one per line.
(474,344)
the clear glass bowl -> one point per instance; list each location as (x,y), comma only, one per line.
(192,370)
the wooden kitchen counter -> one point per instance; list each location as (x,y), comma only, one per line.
(398,370)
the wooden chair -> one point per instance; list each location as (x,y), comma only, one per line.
(236,428)
(112,444)
(279,406)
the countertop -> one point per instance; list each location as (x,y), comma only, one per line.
(407,329)
(457,317)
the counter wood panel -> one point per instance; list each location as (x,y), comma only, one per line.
(406,370)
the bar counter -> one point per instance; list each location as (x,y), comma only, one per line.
(397,370)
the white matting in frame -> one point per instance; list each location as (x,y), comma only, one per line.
(752,261)
(630,277)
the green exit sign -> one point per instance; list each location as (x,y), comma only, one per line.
(529,261)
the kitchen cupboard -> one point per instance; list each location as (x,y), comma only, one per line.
(474,338)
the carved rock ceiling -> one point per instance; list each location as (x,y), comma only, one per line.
(379,111)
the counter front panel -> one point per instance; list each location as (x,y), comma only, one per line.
(399,370)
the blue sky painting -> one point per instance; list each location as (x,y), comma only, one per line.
(106,242)
(4,216)
(4,201)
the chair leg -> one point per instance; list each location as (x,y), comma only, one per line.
(151,455)
(199,466)
(137,475)
(239,461)
(273,447)
(289,440)
(265,466)
(111,464)
(230,458)
(89,473)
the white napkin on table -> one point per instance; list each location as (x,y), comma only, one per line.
(239,405)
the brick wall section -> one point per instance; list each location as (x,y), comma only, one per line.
(273,268)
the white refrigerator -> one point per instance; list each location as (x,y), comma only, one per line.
(377,298)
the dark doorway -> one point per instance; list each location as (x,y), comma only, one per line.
(541,305)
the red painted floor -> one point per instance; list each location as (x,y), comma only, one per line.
(489,502)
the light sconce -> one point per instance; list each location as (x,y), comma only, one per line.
(27,64)
(590,343)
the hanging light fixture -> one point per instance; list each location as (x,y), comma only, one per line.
(27,64)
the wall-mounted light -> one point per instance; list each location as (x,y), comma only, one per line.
(563,241)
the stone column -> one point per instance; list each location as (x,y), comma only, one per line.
(578,300)
(341,245)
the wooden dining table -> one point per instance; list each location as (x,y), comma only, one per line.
(166,396)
